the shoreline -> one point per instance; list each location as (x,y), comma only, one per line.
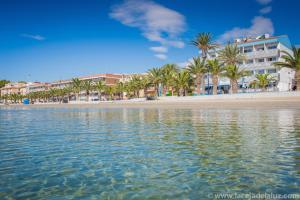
(256,100)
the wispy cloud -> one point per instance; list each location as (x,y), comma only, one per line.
(161,56)
(264,2)
(260,25)
(265,10)
(156,22)
(159,49)
(35,37)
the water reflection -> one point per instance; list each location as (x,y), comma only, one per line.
(147,153)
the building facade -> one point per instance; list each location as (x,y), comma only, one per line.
(260,53)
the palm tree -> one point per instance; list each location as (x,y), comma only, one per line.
(168,73)
(230,55)
(99,86)
(264,80)
(234,73)
(109,90)
(88,86)
(197,68)
(155,78)
(183,80)
(204,42)
(216,70)
(145,84)
(76,85)
(120,89)
(292,62)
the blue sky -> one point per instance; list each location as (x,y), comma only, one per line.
(47,40)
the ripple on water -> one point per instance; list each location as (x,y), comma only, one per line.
(147,153)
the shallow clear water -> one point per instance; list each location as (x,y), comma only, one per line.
(55,153)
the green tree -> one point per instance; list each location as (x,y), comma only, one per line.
(264,80)
(291,61)
(77,86)
(99,86)
(155,78)
(234,73)
(182,82)
(204,42)
(168,74)
(110,90)
(88,86)
(3,83)
(197,68)
(216,70)
(230,55)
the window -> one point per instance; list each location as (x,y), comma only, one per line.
(260,60)
(248,50)
(260,48)
(272,59)
(271,71)
(250,61)
(261,71)
(272,46)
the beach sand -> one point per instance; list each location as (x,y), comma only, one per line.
(184,102)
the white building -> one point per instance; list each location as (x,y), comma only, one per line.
(260,52)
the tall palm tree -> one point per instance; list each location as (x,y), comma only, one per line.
(292,62)
(155,78)
(216,70)
(88,86)
(263,80)
(168,73)
(99,86)
(234,73)
(197,68)
(76,85)
(204,42)
(230,55)
(183,80)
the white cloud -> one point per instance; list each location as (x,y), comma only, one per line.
(265,10)
(160,49)
(35,37)
(260,25)
(264,2)
(161,56)
(156,22)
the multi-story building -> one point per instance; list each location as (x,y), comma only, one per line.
(37,87)
(14,88)
(260,52)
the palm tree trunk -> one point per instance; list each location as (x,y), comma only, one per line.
(87,97)
(297,79)
(77,96)
(234,86)
(215,80)
(199,85)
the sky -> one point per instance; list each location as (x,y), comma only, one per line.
(48,40)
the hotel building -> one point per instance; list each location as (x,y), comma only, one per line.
(260,52)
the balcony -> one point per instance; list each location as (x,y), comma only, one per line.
(262,54)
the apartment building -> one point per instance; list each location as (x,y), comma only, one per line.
(14,88)
(260,52)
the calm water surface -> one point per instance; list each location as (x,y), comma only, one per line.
(91,153)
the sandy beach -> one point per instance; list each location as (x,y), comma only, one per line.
(257,100)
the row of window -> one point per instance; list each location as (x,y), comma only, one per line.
(264,71)
(260,60)
(259,48)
